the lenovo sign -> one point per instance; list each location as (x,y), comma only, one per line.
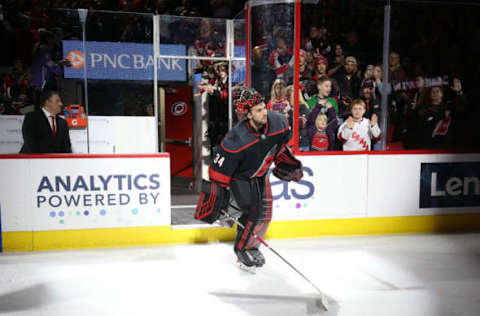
(450,184)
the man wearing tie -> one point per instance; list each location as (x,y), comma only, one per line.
(43,130)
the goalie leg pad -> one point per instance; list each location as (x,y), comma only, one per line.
(213,199)
(257,214)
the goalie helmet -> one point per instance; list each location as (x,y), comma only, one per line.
(244,98)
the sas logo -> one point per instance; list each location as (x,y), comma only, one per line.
(301,190)
(179,108)
(76,58)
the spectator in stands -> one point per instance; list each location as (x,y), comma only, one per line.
(417,99)
(44,68)
(397,73)
(278,101)
(357,132)
(281,58)
(303,142)
(16,88)
(44,131)
(320,70)
(435,121)
(348,83)
(324,88)
(369,73)
(322,123)
(377,74)
(317,41)
(368,96)
(217,105)
(456,101)
(372,104)
(338,60)
(304,71)
(209,79)
(311,43)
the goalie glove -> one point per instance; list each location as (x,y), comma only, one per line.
(287,167)
(213,199)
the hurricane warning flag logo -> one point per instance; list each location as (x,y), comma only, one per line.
(76,58)
(179,108)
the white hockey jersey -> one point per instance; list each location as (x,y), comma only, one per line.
(359,137)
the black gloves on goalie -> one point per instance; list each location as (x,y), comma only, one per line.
(213,199)
(287,167)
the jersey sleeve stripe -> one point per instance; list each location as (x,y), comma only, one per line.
(239,150)
(279,132)
(219,177)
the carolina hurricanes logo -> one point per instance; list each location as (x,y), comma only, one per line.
(356,137)
(179,108)
(441,129)
(267,161)
(76,58)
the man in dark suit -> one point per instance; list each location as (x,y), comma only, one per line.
(43,130)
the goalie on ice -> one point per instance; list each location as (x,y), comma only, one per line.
(240,164)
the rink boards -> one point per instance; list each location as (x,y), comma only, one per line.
(83,201)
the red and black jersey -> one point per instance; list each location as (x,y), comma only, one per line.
(245,153)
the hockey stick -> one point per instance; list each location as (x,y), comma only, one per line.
(323,298)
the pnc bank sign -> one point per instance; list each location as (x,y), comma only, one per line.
(455,184)
(122,61)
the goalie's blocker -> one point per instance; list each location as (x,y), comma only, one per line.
(287,167)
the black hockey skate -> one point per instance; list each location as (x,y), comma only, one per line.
(250,259)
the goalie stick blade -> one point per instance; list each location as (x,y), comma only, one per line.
(323,301)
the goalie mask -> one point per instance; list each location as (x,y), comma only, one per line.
(244,98)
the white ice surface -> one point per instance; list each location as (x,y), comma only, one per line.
(424,275)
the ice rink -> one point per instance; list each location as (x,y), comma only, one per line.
(369,275)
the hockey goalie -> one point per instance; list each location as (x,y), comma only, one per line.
(238,173)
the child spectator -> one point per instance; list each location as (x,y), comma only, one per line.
(278,101)
(321,127)
(357,131)
(324,87)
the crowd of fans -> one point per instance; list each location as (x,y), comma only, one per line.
(340,76)
(341,88)
(32,31)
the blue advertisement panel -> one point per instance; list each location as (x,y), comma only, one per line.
(455,184)
(122,61)
(240,73)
